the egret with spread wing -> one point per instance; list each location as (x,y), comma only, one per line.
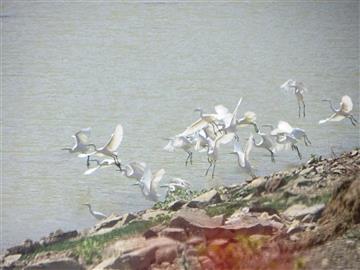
(343,112)
(149,184)
(243,157)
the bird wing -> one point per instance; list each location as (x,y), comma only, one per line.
(286,86)
(194,127)
(115,139)
(346,104)
(169,147)
(146,180)
(240,153)
(224,139)
(283,127)
(83,135)
(248,147)
(156,180)
(221,110)
(90,171)
(233,119)
(334,118)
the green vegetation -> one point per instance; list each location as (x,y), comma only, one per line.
(89,248)
(178,194)
(227,208)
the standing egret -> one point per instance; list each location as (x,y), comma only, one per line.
(343,112)
(299,90)
(100,164)
(213,150)
(180,142)
(287,136)
(109,149)
(81,143)
(134,170)
(97,215)
(243,157)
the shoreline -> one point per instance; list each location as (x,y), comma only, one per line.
(289,212)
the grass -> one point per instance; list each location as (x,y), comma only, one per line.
(226,209)
(89,248)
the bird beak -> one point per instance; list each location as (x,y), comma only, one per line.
(232,153)
(136,184)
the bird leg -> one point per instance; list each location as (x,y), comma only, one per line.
(117,162)
(88,162)
(299,109)
(353,120)
(306,140)
(213,172)
(207,171)
(272,155)
(303,108)
(191,156)
(187,159)
(297,150)
(255,127)
(236,137)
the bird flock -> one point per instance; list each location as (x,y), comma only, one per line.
(206,135)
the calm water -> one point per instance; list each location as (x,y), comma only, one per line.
(147,66)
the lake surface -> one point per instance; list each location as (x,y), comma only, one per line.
(147,66)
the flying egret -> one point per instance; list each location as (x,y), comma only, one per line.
(266,142)
(299,90)
(109,149)
(134,170)
(100,164)
(177,183)
(287,136)
(81,143)
(180,142)
(213,150)
(243,157)
(149,184)
(343,112)
(97,215)
(249,118)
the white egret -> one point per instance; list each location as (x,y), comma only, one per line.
(109,149)
(201,142)
(97,215)
(243,157)
(180,142)
(287,136)
(267,143)
(230,120)
(149,184)
(100,164)
(81,143)
(213,150)
(299,89)
(134,170)
(249,118)
(343,112)
(177,183)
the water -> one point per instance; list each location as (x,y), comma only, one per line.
(68,66)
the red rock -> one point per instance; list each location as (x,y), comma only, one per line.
(166,254)
(174,233)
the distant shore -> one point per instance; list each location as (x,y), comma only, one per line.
(304,218)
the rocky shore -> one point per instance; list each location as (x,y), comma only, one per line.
(304,218)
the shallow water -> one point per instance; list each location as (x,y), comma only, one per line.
(68,66)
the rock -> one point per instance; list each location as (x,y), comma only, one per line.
(58,236)
(126,218)
(153,231)
(195,240)
(27,247)
(299,211)
(176,205)
(177,234)
(307,170)
(10,260)
(150,214)
(123,246)
(109,222)
(258,183)
(55,264)
(210,197)
(166,254)
(142,258)
(274,183)
(206,263)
